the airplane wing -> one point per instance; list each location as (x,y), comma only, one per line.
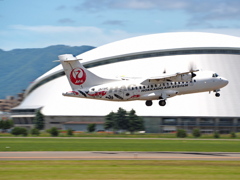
(180,76)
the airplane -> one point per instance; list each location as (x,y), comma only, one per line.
(86,84)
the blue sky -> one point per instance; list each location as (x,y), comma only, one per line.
(36,24)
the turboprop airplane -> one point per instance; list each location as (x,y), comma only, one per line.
(85,84)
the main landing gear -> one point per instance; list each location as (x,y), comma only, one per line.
(148,103)
(161,103)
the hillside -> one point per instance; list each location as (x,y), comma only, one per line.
(19,67)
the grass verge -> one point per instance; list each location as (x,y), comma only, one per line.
(71,144)
(110,135)
(118,170)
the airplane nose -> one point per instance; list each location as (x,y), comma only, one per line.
(224,81)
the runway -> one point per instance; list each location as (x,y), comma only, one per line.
(116,155)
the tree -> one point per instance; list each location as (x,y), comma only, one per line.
(110,122)
(1,124)
(135,123)
(181,133)
(196,133)
(6,124)
(19,131)
(53,131)
(122,119)
(91,127)
(39,120)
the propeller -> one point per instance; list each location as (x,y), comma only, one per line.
(164,71)
(192,69)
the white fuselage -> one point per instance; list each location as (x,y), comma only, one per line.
(127,90)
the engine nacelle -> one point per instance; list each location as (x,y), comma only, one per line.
(184,77)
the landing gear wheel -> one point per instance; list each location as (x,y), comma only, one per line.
(148,103)
(217,94)
(162,103)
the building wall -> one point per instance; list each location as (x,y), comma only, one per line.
(59,121)
(152,124)
(82,127)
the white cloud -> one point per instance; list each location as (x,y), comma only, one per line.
(205,11)
(21,36)
(96,5)
(57,29)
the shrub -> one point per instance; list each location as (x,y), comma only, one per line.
(216,134)
(181,133)
(91,127)
(53,131)
(35,131)
(196,133)
(19,131)
(69,132)
(233,135)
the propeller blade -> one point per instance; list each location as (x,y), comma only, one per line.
(164,71)
(193,75)
(191,67)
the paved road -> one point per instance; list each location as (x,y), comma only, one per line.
(113,155)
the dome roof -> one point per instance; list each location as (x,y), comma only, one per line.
(162,41)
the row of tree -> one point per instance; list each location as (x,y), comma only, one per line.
(123,120)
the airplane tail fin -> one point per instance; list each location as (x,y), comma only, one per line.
(78,76)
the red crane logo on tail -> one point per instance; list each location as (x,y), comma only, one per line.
(78,76)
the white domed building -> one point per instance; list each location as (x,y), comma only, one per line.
(145,56)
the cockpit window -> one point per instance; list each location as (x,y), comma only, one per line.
(215,75)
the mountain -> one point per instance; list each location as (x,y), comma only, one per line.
(19,67)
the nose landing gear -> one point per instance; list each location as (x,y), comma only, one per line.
(217,93)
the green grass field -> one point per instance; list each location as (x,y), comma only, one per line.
(119,170)
(74,144)
(124,135)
